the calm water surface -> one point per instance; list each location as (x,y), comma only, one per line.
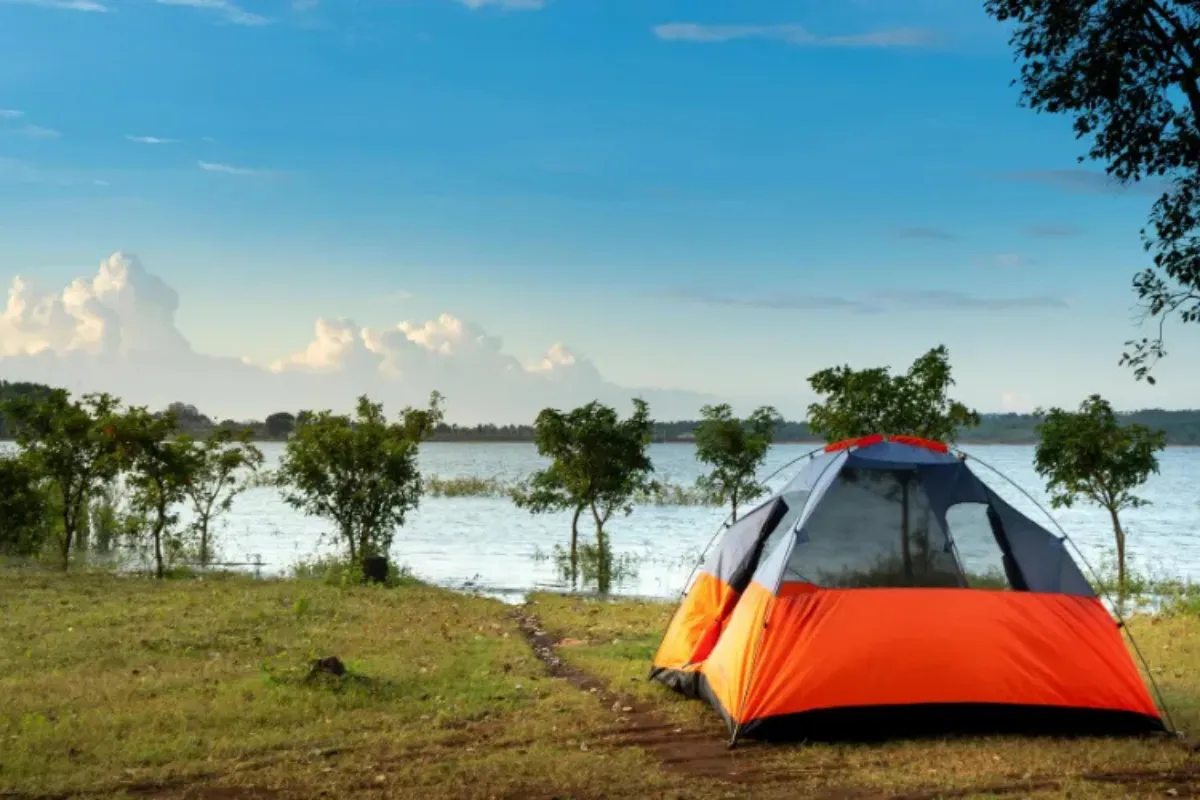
(489,545)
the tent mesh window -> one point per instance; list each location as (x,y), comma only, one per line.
(873,528)
(978,551)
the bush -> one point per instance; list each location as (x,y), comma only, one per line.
(339,571)
(24,508)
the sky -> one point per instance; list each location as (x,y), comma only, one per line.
(264,205)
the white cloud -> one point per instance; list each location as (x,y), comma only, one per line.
(64,5)
(115,331)
(792,34)
(520,5)
(209,166)
(227,9)
(11,113)
(150,140)
(38,132)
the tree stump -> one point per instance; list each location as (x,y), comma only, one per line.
(375,569)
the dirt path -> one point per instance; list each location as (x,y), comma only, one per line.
(705,755)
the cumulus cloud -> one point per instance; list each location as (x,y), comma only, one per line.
(792,34)
(230,11)
(115,331)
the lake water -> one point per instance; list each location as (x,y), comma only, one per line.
(489,545)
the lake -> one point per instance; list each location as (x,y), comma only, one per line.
(489,545)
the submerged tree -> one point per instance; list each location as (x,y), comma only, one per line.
(599,463)
(1128,72)
(359,472)
(1089,454)
(160,468)
(73,444)
(226,462)
(872,400)
(735,449)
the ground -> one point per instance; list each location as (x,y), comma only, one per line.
(115,687)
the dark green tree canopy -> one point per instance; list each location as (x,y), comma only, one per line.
(1128,72)
(735,449)
(360,473)
(598,460)
(872,400)
(1090,454)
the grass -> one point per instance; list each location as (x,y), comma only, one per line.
(615,641)
(108,684)
(119,686)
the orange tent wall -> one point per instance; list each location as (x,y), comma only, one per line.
(876,647)
(697,624)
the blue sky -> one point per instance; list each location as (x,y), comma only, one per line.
(720,197)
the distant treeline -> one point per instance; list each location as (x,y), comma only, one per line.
(1181,427)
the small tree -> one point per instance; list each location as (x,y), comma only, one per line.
(598,464)
(735,449)
(1089,454)
(73,444)
(161,467)
(867,401)
(360,473)
(226,460)
(280,424)
(24,509)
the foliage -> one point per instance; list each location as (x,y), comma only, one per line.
(19,391)
(599,464)
(735,449)
(280,424)
(1128,72)
(72,443)
(359,473)
(160,469)
(336,571)
(1089,454)
(868,401)
(24,507)
(226,465)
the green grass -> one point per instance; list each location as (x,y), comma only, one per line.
(616,640)
(107,683)
(117,686)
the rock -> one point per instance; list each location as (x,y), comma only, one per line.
(330,665)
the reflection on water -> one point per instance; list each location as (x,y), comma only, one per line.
(488,545)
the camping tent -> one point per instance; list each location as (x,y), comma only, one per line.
(886,589)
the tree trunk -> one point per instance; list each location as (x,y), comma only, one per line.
(68,532)
(603,556)
(735,506)
(159,571)
(1119,534)
(575,545)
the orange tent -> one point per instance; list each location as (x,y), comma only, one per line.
(886,589)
